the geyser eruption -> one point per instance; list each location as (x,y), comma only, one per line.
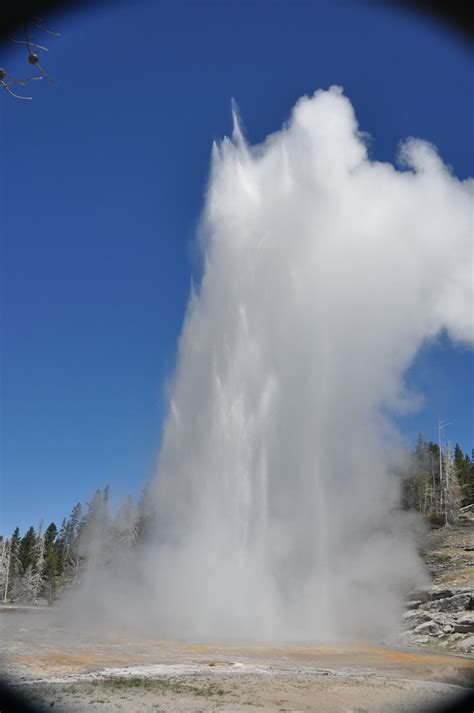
(278,510)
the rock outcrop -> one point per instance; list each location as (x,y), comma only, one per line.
(441,616)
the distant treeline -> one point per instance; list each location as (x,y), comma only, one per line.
(438,482)
(42,564)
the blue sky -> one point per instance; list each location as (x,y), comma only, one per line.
(102,181)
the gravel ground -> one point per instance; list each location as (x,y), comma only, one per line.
(245,692)
(78,672)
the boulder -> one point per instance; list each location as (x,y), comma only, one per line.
(413,619)
(420,640)
(467,644)
(464,624)
(464,628)
(466,619)
(428,627)
(413,605)
(458,602)
(440,594)
(420,595)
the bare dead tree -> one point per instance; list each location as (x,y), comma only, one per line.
(33,57)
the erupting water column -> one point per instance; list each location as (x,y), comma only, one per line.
(277,510)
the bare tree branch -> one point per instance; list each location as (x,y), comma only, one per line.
(7,81)
(28,44)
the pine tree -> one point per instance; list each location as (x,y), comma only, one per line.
(436,508)
(5,559)
(469,490)
(25,582)
(421,486)
(452,497)
(421,482)
(145,517)
(38,563)
(465,475)
(124,527)
(26,549)
(72,556)
(14,568)
(93,531)
(52,561)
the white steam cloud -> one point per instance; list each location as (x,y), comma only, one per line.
(324,273)
(277,502)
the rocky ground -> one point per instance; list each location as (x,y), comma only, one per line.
(442,615)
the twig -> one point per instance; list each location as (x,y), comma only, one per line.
(7,88)
(6,81)
(28,44)
(36,23)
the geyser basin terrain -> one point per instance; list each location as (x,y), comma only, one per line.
(89,673)
(324,272)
